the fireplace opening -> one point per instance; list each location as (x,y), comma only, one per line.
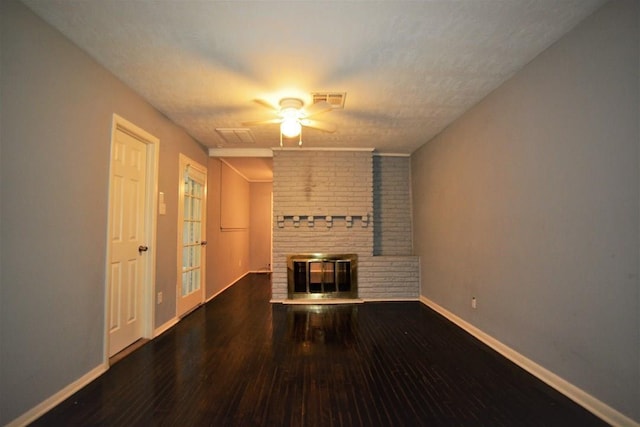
(322,276)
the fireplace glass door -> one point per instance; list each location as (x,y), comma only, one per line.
(322,276)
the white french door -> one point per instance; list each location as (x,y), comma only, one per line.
(191,235)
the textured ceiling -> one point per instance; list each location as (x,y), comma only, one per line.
(409,68)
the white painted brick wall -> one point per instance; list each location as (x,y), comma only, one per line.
(341,183)
(388,278)
(320,184)
(392,205)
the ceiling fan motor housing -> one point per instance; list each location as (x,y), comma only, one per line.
(291,103)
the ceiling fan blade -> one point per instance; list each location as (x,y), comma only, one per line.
(315,124)
(261,122)
(317,108)
(266,104)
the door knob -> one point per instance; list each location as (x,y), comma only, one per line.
(203,243)
(142,248)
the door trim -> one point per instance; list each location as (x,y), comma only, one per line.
(150,232)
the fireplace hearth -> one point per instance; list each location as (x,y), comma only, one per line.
(316,276)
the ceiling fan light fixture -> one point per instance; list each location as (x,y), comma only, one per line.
(291,116)
(290,127)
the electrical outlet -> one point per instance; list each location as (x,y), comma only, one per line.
(473,302)
(159,297)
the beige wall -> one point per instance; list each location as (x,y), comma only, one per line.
(260,226)
(234,199)
(227,248)
(529,202)
(56,113)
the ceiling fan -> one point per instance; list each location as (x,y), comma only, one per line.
(291,115)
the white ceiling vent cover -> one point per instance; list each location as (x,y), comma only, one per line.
(236,135)
(335,99)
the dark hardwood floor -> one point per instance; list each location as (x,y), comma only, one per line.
(240,361)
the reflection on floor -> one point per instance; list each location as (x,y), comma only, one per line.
(333,325)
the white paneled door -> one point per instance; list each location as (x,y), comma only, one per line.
(191,235)
(128,248)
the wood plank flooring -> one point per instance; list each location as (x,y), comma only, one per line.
(240,361)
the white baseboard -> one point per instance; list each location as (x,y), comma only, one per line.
(582,398)
(45,406)
(226,287)
(322,301)
(165,327)
(345,301)
(171,323)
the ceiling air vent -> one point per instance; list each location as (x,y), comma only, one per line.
(236,135)
(336,99)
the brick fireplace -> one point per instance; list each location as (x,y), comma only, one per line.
(323,202)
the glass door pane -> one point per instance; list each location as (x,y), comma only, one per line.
(192,237)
